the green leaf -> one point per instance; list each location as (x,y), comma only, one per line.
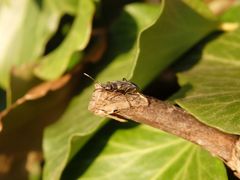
(67,6)
(123,52)
(142,152)
(201,8)
(124,37)
(25,26)
(213,95)
(32,24)
(178,29)
(232,14)
(76,125)
(63,139)
(53,65)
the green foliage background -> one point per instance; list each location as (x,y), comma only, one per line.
(37,46)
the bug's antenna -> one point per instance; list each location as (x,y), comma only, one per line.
(90,77)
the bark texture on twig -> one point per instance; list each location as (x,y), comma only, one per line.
(169,118)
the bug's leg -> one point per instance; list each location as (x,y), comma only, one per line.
(128,101)
(124,79)
(130,105)
(125,93)
(143,97)
(113,96)
(115,91)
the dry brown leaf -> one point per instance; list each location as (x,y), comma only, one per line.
(33,164)
(5,163)
(36,93)
(23,129)
(94,54)
(99,47)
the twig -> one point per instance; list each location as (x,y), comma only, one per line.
(169,118)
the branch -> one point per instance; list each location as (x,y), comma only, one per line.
(169,118)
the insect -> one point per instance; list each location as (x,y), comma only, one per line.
(124,86)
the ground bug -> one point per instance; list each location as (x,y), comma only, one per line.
(124,87)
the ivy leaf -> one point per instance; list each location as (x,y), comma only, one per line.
(54,64)
(142,152)
(232,14)
(63,139)
(159,45)
(76,126)
(25,27)
(213,96)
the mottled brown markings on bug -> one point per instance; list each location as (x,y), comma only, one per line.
(124,87)
(113,92)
